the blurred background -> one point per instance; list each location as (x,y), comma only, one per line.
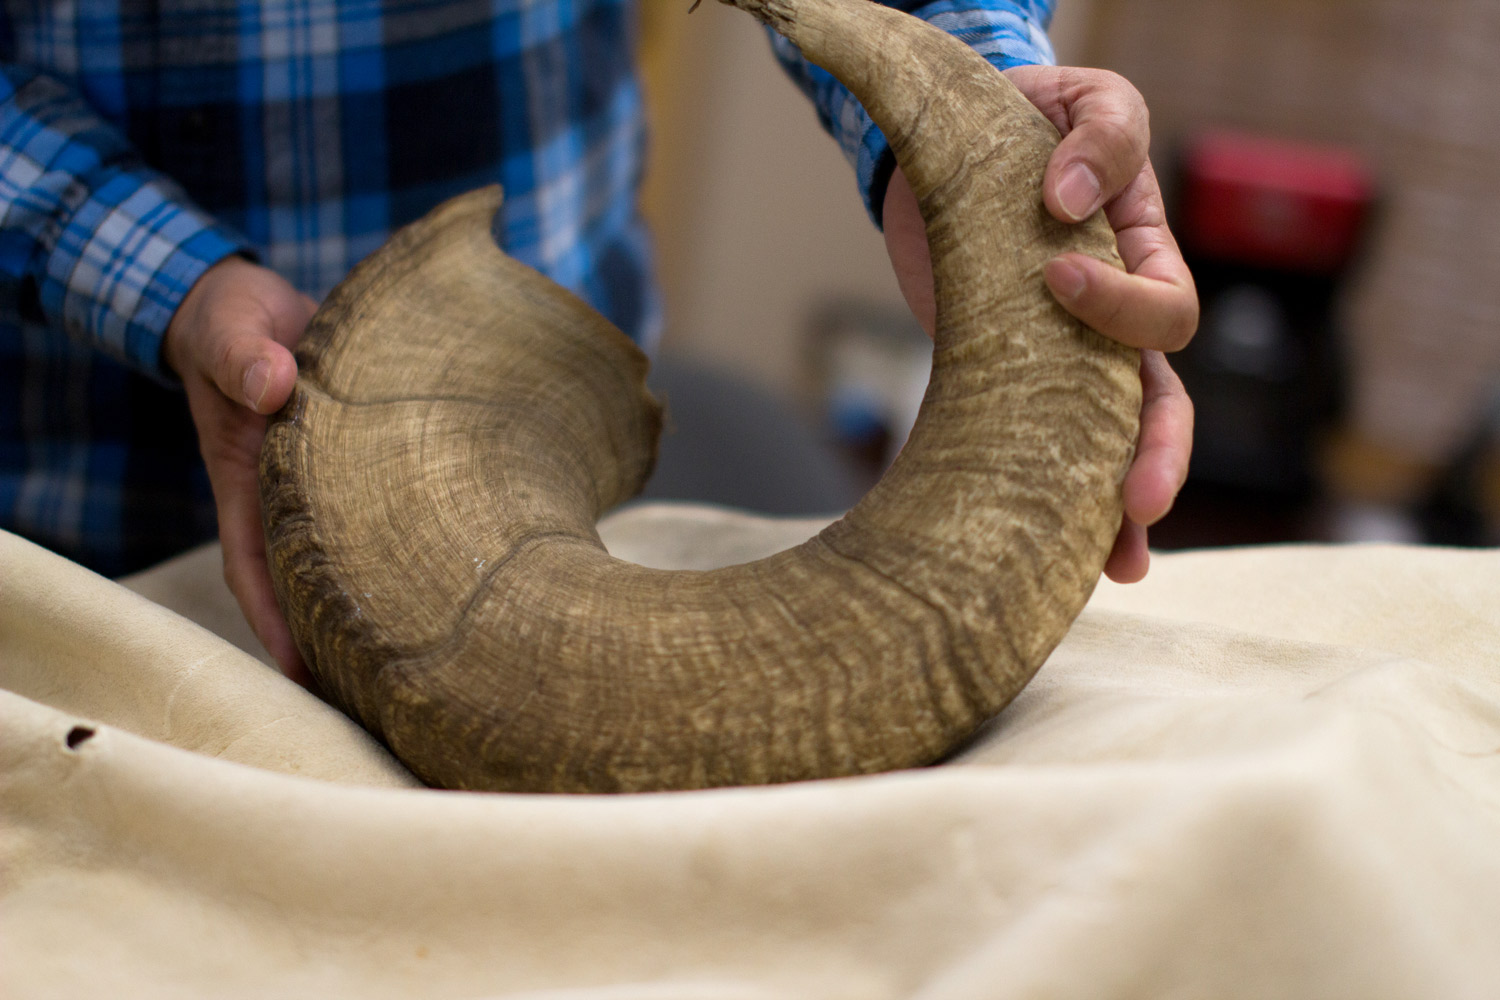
(1333,172)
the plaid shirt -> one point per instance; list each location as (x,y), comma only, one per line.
(141,141)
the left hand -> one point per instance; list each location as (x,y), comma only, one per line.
(230,342)
(1102,162)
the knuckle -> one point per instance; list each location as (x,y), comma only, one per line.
(1122,147)
(1129,99)
(1108,79)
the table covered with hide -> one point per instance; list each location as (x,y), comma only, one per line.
(1266,772)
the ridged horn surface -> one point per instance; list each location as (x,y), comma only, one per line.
(460,423)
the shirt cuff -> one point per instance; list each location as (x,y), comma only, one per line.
(1007,33)
(123,262)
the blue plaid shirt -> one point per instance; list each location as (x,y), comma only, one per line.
(141,141)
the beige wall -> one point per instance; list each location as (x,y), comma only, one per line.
(756,213)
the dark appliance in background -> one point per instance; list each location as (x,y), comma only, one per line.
(1463,505)
(1270,228)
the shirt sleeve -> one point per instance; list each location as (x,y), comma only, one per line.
(1006,32)
(103,245)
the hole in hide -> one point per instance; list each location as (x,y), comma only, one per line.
(77,735)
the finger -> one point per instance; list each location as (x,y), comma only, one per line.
(249,367)
(1166,443)
(245,566)
(259,607)
(1130,558)
(248,355)
(250,582)
(231,439)
(1106,137)
(1155,308)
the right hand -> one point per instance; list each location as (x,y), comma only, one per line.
(1151,305)
(230,342)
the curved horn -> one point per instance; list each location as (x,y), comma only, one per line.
(460,423)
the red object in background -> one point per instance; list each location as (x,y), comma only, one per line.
(1272,203)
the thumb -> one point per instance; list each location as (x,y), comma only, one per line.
(250,367)
(235,329)
(1104,147)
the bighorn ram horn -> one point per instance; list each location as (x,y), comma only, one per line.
(460,423)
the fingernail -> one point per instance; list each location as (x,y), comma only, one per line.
(1078,190)
(257,381)
(1065,278)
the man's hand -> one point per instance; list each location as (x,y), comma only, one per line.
(1102,162)
(230,344)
